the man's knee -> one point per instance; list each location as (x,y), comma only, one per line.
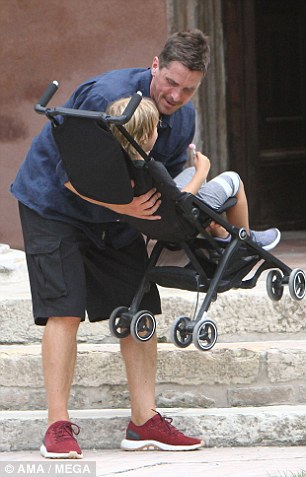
(69,323)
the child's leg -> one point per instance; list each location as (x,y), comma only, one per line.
(184,177)
(238,215)
(217,191)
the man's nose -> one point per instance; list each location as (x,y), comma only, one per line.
(176,95)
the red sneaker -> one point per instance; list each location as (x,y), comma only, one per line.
(158,434)
(60,443)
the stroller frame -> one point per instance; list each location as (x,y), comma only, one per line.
(213,268)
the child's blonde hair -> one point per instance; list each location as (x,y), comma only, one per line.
(141,126)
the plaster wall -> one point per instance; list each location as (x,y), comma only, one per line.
(66,40)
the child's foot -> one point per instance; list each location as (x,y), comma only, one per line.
(224,240)
(267,239)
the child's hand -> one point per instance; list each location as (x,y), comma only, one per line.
(202,166)
(201,162)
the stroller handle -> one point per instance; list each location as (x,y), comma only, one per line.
(41,108)
(48,94)
(131,106)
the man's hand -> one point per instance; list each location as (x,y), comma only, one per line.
(142,207)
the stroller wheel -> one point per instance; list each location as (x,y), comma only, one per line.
(296,284)
(143,326)
(204,334)
(179,334)
(119,322)
(274,285)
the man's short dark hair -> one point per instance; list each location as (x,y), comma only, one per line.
(189,47)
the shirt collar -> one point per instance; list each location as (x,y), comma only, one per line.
(145,82)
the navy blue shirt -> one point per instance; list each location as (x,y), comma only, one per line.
(39,183)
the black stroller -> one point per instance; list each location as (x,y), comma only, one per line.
(212,268)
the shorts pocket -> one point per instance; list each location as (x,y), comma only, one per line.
(46,268)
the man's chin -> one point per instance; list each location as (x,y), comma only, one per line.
(168,109)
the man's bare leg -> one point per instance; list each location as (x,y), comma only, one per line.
(59,350)
(141,362)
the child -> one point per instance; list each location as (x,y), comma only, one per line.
(143,128)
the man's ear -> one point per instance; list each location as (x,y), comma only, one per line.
(155,64)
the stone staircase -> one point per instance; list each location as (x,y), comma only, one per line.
(248,390)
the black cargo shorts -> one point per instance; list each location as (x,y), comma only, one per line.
(70,273)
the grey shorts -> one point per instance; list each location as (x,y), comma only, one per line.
(214,192)
(70,273)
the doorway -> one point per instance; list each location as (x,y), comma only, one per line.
(265,51)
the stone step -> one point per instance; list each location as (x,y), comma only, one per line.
(231,374)
(10,260)
(240,315)
(104,428)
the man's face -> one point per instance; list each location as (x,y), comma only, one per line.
(173,86)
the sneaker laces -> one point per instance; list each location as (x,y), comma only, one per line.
(167,422)
(65,430)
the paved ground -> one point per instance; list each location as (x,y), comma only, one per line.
(226,462)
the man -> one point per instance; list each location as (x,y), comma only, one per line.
(81,257)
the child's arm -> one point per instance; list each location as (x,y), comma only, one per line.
(202,166)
